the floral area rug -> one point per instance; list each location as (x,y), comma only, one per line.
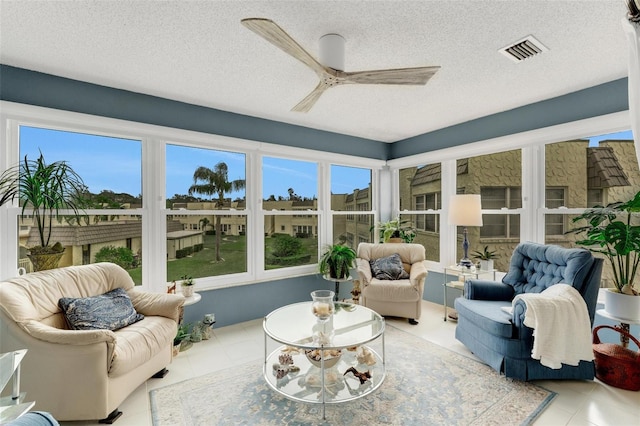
(425,385)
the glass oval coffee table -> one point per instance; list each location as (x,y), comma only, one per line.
(348,349)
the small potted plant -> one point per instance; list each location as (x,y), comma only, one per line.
(395,231)
(336,261)
(485,257)
(181,336)
(45,189)
(187,285)
(610,231)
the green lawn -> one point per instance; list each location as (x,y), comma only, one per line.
(202,264)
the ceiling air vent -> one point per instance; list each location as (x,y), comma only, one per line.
(523,49)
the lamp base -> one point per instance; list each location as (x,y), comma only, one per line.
(467,263)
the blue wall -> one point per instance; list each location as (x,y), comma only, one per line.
(35,88)
(595,101)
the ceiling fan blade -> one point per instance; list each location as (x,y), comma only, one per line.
(275,35)
(310,100)
(408,76)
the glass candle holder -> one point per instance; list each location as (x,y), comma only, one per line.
(322,306)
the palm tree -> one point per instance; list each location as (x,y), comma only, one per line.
(215,182)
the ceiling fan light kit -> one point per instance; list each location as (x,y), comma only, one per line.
(332,51)
(330,68)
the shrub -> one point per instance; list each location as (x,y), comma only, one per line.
(286,246)
(121,256)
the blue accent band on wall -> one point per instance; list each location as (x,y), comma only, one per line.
(595,101)
(46,90)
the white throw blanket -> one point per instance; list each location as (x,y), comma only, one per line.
(561,326)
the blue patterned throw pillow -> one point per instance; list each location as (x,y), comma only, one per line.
(388,268)
(110,311)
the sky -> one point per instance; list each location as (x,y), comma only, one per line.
(115,164)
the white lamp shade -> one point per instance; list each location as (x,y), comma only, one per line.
(465,210)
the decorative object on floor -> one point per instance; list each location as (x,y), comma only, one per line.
(465,210)
(330,68)
(205,327)
(182,335)
(187,285)
(609,231)
(459,390)
(616,365)
(46,190)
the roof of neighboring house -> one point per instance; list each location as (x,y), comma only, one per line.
(433,172)
(89,234)
(175,235)
(604,169)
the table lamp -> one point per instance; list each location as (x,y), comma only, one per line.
(465,210)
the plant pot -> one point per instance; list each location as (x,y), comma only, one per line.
(45,261)
(187,290)
(621,305)
(176,350)
(486,265)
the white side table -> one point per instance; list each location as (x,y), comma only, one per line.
(462,274)
(12,406)
(625,324)
(192,300)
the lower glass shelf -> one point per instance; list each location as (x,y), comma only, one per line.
(303,382)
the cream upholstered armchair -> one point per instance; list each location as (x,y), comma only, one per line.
(84,374)
(386,289)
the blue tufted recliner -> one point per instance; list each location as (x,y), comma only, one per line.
(501,339)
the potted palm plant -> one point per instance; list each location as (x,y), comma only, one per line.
(45,189)
(485,257)
(611,231)
(336,261)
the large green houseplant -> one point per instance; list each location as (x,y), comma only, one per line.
(336,261)
(395,228)
(610,230)
(44,191)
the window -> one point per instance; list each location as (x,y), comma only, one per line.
(500,225)
(204,185)
(554,223)
(111,168)
(351,192)
(419,193)
(296,244)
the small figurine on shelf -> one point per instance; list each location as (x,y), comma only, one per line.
(171,289)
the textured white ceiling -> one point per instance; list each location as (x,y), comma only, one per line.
(198,52)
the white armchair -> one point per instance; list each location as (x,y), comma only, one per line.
(401,297)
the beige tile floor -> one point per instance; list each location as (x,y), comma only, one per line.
(578,403)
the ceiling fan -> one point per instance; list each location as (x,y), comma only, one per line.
(332,74)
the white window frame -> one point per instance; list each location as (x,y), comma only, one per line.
(154,138)
(532,144)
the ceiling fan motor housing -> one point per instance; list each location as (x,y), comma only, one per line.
(332,51)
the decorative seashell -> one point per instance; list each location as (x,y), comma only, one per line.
(290,350)
(365,356)
(281,372)
(285,359)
